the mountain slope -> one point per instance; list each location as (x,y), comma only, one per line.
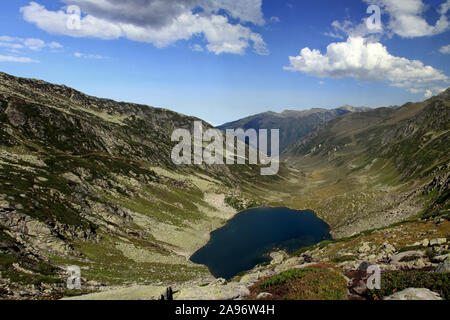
(371,169)
(90,182)
(292,124)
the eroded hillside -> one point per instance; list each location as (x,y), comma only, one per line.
(90,182)
(372,169)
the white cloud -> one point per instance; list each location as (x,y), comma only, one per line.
(55,45)
(34,44)
(428,94)
(159,22)
(16,59)
(158,13)
(346,28)
(275,19)
(445,49)
(406,17)
(29,43)
(197,48)
(366,61)
(11,45)
(88,56)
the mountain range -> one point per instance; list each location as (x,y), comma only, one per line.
(89,182)
(292,124)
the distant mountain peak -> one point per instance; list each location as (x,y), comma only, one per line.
(293,124)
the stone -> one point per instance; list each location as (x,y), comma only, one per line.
(360,288)
(425,242)
(443,267)
(364,248)
(364,266)
(130,293)
(4,204)
(37,228)
(441,258)
(277,257)
(438,242)
(292,262)
(218,281)
(388,248)
(264,295)
(229,291)
(395,259)
(419,264)
(250,278)
(414,294)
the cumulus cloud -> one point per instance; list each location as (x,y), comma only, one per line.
(363,60)
(159,22)
(406,17)
(346,28)
(445,49)
(158,13)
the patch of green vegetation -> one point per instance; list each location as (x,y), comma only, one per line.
(235,202)
(319,245)
(410,248)
(6,260)
(240,204)
(284,277)
(430,253)
(409,258)
(344,258)
(321,282)
(395,281)
(264,264)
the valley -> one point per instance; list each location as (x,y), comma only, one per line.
(89,182)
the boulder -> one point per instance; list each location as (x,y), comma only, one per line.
(277,257)
(438,242)
(441,258)
(264,295)
(420,264)
(414,294)
(364,266)
(388,248)
(443,267)
(364,248)
(229,291)
(4,204)
(395,259)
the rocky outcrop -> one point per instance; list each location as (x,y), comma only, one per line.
(218,290)
(414,294)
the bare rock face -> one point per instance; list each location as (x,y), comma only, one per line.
(214,291)
(35,233)
(414,294)
(443,267)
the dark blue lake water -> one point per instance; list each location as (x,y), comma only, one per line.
(249,237)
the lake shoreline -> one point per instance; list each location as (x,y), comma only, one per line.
(251,235)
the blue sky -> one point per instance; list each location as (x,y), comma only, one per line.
(222,60)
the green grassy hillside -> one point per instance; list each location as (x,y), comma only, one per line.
(90,182)
(371,169)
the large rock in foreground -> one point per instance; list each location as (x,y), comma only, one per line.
(414,294)
(214,291)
